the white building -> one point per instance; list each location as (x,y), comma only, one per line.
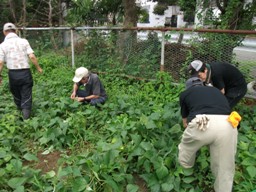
(172,16)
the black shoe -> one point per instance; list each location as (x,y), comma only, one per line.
(26,113)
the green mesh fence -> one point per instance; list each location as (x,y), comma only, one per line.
(142,53)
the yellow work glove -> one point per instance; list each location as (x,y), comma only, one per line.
(234,118)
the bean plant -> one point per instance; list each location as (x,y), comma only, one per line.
(127,144)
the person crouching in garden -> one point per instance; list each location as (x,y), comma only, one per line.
(205,112)
(93,93)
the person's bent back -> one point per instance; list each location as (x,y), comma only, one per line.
(203,100)
(205,112)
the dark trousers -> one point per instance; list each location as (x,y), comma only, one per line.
(100,100)
(235,95)
(21,83)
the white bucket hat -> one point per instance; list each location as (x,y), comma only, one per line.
(8,26)
(80,73)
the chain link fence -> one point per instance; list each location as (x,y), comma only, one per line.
(142,52)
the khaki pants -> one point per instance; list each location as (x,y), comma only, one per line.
(221,138)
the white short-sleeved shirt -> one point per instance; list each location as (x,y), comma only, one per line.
(14,51)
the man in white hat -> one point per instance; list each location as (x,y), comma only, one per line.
(15,51)
(93,93)
(205,112)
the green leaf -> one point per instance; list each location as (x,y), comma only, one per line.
(16,182)
(150,124)
(43,140)
(19,189)
(136,152)
(251,171)
(188,172)
(96,175)
(74,105)
(50,174)
(175,129)
(64,172)
(109,157)
(112,184)
(155,116)
(12,129)
(150,154)
(2,172)
(8,157)
(151,179)
(167,114)
(178,171)
(248,161)
(132,188)
(147,166)
(189,179)
(35,122)
(79,184)
(17,165)
(162,172)
(136,139)
(146,145)
(30,157)
(243,145)
(167,187)
(156,188)
(2,153)
(76,172)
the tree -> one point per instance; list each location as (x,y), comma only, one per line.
(162,5)
(31,12)
(111,9)
(234,14)
(11,11)
(143,16)
(100,12)
(130,13)
(189,8)
(128,38)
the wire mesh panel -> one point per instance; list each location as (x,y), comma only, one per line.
(183,47)
(143,52)
(54,44)
(121,51)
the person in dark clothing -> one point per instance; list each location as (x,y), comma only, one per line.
(207,100)
(94,92)
(15,51)
(205,112)
(224,76)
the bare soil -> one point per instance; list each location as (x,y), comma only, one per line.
(249,102)
(45,163)
(48,162)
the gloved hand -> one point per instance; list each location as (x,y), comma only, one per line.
(202,122)
(234,118)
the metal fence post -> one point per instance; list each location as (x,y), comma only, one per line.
(162,51)
(72,47)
